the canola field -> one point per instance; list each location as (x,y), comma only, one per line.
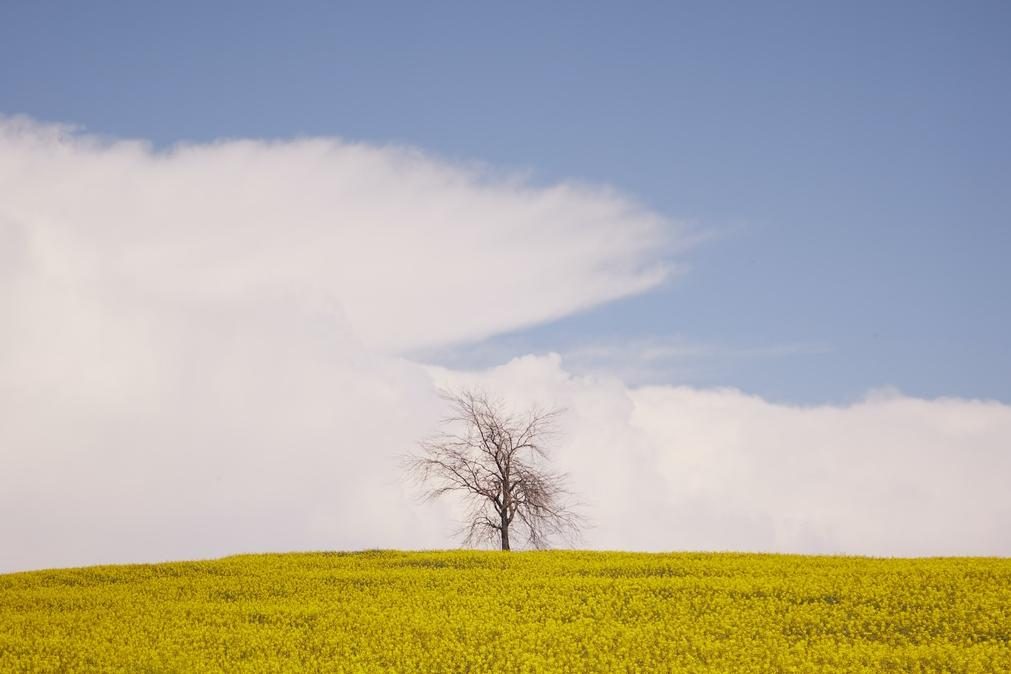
(470,611)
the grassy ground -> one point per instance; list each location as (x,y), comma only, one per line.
(502,612)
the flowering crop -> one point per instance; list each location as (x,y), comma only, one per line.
(470,611)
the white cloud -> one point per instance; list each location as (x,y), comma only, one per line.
(197,357)
(682,468)
(417,252)
(196,345)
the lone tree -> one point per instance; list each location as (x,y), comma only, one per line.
(498,463)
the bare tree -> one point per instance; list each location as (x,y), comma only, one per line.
(497,462)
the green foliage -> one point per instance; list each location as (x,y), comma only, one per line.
(469,611)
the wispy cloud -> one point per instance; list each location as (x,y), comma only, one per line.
(658,350)
(673,359)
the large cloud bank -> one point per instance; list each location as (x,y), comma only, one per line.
(199,356)
(680,468)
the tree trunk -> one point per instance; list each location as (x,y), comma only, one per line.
(505,533)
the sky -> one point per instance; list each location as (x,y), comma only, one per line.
(757,253)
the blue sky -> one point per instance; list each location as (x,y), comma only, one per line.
(851,161)
(264,325)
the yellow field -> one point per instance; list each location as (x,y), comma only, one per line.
(529,611)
